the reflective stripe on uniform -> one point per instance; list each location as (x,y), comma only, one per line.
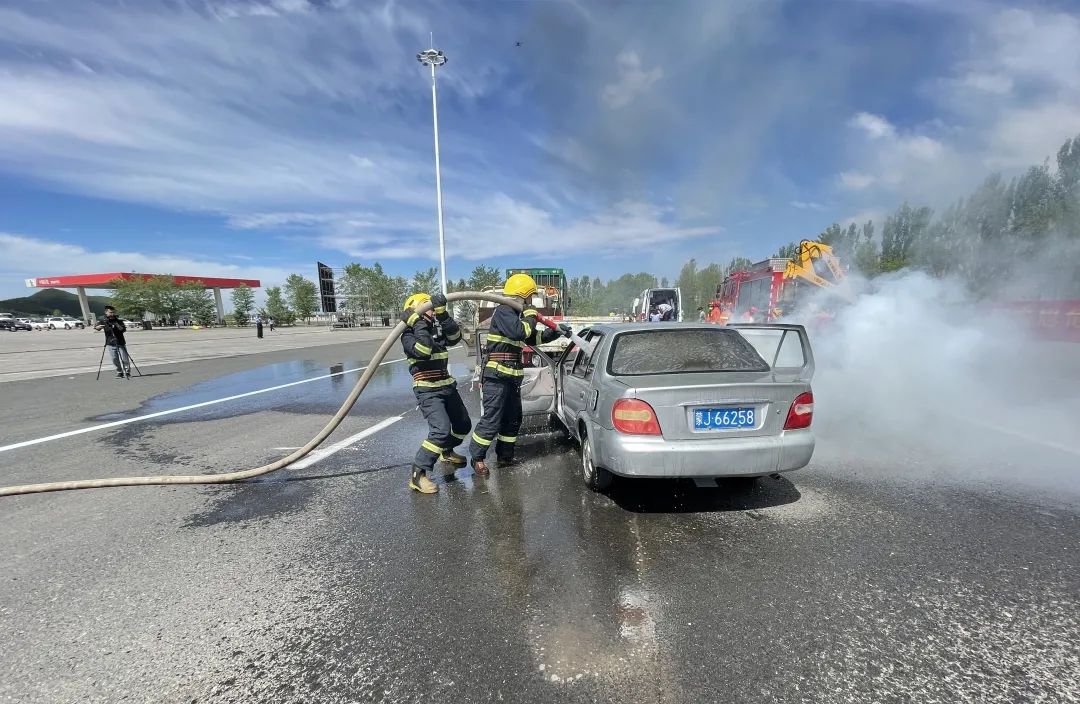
(440,310)
(435,355)
(459,436)
(431,447)
(480,441)
(492,337)
(509,371)
(433,384)
(422,349)
(413,318)
(507,438)
(454,338)
(529,313)
(528,329)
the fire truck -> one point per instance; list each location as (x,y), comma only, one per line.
(772,288)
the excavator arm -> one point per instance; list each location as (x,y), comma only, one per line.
(816,263)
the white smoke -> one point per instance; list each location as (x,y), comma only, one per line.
(918,380)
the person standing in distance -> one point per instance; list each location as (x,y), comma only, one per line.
(258,326)
(425,341)
(114,339)
(509,333)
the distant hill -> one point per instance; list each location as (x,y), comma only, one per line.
(47,300)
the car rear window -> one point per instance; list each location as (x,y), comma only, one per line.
(680,351)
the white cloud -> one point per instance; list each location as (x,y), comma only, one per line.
(231,109)
(806,205)
(633,81)
(28,257)
(856,180)
(875,126)
(995,83)
(875,215)
(501,225)
(1007,103)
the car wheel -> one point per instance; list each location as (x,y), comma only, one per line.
(596,478)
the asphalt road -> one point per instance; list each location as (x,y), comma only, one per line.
(880,573)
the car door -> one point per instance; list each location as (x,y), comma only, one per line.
(577,395)
(786,348)
(538,386)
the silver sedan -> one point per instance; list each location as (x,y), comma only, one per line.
(680,400)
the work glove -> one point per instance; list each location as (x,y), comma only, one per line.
(409,317)
(438,304)
(566,330)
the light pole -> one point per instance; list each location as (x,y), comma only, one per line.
(433,58)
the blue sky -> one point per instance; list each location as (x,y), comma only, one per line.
(252,137)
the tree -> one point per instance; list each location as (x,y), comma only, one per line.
(164,297)
(301,295)
(276,308)
(243,301)
(484,276)
(425,281)
(130,298)
(903,230)
(370,290)
(196,300)
(737,264)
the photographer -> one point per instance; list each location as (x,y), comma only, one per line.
(114,339)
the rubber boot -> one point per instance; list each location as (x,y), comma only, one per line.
(451,457)
(480,467)
(504,462)
(418,481)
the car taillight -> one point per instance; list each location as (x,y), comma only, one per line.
(801,412)
(634,417)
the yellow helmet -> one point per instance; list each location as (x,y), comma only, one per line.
(520,285)
(416,300)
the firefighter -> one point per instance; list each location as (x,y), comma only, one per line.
(425,340)
(510,331)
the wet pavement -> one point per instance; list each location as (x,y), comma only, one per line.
(868,576)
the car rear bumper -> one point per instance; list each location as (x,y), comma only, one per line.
(638,456)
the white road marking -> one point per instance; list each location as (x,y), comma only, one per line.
(325,452)
(171,411)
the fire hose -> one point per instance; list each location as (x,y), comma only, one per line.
(319,438)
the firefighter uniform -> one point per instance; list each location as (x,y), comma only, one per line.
(502,376)
(425,343)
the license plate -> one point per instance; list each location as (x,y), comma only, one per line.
(730,418)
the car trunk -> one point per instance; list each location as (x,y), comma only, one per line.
(676,398)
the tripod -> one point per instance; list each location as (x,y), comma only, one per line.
(126,362)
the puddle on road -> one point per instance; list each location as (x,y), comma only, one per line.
(242,503)
(317,396)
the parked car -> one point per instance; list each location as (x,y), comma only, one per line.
(63,323)
(13,325)
(74,322)
(680,400)
(38,324)
(21,324)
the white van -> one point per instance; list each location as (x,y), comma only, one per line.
(652,298)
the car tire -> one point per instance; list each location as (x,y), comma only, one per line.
(595,478)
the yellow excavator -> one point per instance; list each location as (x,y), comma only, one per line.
(816,263)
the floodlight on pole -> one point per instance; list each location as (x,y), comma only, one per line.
(434,58)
